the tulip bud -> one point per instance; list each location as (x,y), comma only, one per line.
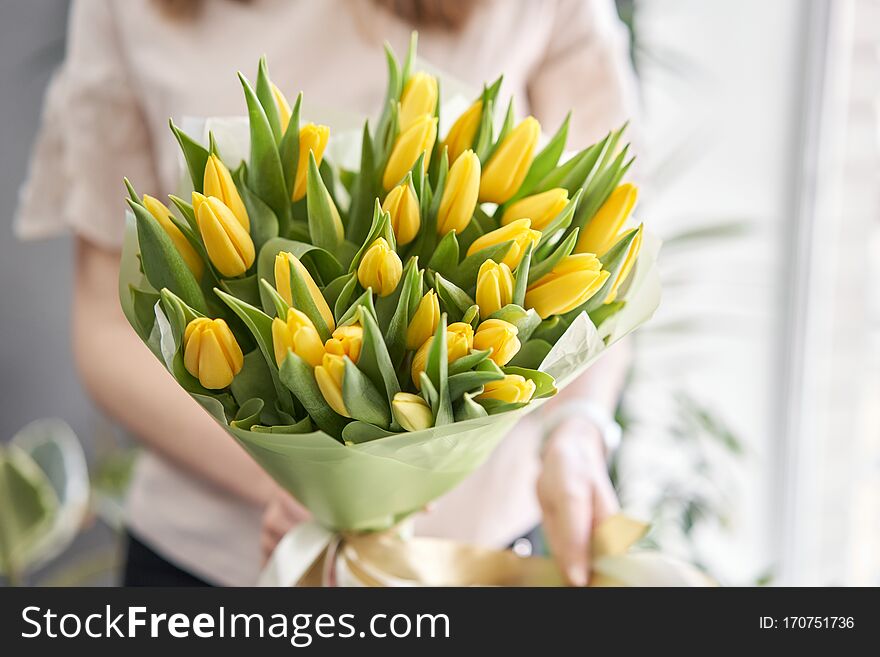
(329,375)
(602,231)
(218,182)
(228,244)
(197,200)
(346,341)
(460,194)
(459,342)
(540,208)
(411,412)
(518,231)
(298,335)
(513,389)
(510,162)
(282,283)
(419,98)
(162,214)
(494,287)
(412,142)
(500,336)
(210,352)
(403,206)
(312,138)
(568,285)
(631,255)
(380,268)
(424,321)
(284,111)
(461,134)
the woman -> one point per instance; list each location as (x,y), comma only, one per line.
(129,66)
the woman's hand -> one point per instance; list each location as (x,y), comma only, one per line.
(575,494)
(282,514)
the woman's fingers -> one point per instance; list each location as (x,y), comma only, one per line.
(567,522)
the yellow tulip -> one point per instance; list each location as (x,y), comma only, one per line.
(282,283)
(459,342)
(298,335)
(411,411)
(197,200)
(419,98)
(540,208)
(460,194)
(228,244)
(500,337)
(494,287)
(284,111)
(403,206)
(162,214)
(329,375)
(568,285)
(346,341)
(510,162)
(631,255)
(603,230)
(380,268)
(412,142)
(513,389)
(210,352)
(461,134)
(312,138)
(219,183)
(519,231)
(424,321)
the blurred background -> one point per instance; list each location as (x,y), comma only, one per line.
(752,417)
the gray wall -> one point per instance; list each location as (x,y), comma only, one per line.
(37,378)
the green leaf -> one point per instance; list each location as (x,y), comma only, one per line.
(558,255)
(248,414)
(303,426)
(267,98)
(465,275)
(606,311)
(454,300)
(266,174)
(365,301)
(526,321)
(572,173)
(545,385)
(521,277)
(281,306)
(599,188)
(374,360)
(187,211)
(194,153)
(470,381)
(467,409)
(288,149)
(144,303)
(531,354)
(163,265)
(364,193)
(247,289)
(408,301)
(445,256)
(343,301)
(325,226)
(436,369)
(468,362)
(362,399)
(299,378)
(506,127)
(254,380)
(264,223)
(358,432)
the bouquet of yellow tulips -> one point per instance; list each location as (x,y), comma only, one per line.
(369,334)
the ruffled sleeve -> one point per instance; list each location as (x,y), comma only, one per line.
(586,68)
(92,134)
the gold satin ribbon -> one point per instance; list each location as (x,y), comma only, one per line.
(388,559)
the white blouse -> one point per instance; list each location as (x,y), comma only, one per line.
(129,68)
